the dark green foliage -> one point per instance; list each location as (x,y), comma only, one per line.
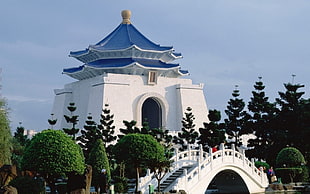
(291,165)
(293,121)
(5,135)
(19,142)
(259,164)
(28,185)
(235,124)
(72,119)
(121,184)
(89,135)
(98,160)
(162,136)
(52,154)
(130,128)
(188,135)
(107,129)
(289,175)
(20,137)
(160,167)
(139,150)
(262,113)
(290,157)
(213,133)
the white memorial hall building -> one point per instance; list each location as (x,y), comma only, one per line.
(137,78)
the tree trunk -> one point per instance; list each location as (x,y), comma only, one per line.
(137,179)
(158,184)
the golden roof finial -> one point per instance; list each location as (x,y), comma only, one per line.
(126,16)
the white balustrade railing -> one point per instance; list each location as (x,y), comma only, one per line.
(204,163)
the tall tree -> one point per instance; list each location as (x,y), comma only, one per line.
(53,154)
(72,119)
(138,150)
(19,142)
(5,135)
(106,128)
(291,116)
(237,118)
(89,135)
(98,160)
(188,135)
(213,132)
(20,136)
(261,112)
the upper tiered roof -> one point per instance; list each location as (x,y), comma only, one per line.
(125,44)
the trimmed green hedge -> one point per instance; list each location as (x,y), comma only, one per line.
(291,166)
(289,157)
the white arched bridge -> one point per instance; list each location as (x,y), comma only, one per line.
(196,172)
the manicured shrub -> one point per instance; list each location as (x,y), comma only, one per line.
(291,166)
(53,154)
(28,185)
(259,164)
(290,157)
(121,184)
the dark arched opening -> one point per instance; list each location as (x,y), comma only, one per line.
(152,113)
(227,181)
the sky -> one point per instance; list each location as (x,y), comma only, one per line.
(223,42)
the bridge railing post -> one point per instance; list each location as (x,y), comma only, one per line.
(253,165)
(211,158)
(176,157)
(185,179)
(243,157)
(189,152)
(200,152)
(234,152)
(222,148)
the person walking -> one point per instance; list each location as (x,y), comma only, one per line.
(103,182)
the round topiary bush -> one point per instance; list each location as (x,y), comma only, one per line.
(291,165)
(53,154)
(290,157)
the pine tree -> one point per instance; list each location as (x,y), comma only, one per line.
(262,113)
(213,132)
(72,119)
(89,135)
(130,128)
(289,120)
(237,118)
(19,143)
(188,135)
(52,121)
(20,137)
(106,126)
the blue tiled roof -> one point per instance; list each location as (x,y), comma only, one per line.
(122,62)
(125,36)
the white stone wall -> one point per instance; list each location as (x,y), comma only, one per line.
(125,95)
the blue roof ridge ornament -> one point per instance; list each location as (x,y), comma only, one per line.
(126,14)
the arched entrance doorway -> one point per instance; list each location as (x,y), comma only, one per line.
(227,181)
(152,113)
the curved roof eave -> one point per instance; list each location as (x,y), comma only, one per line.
(77,54)
(83,67)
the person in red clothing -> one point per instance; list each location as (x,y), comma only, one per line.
(214,149)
